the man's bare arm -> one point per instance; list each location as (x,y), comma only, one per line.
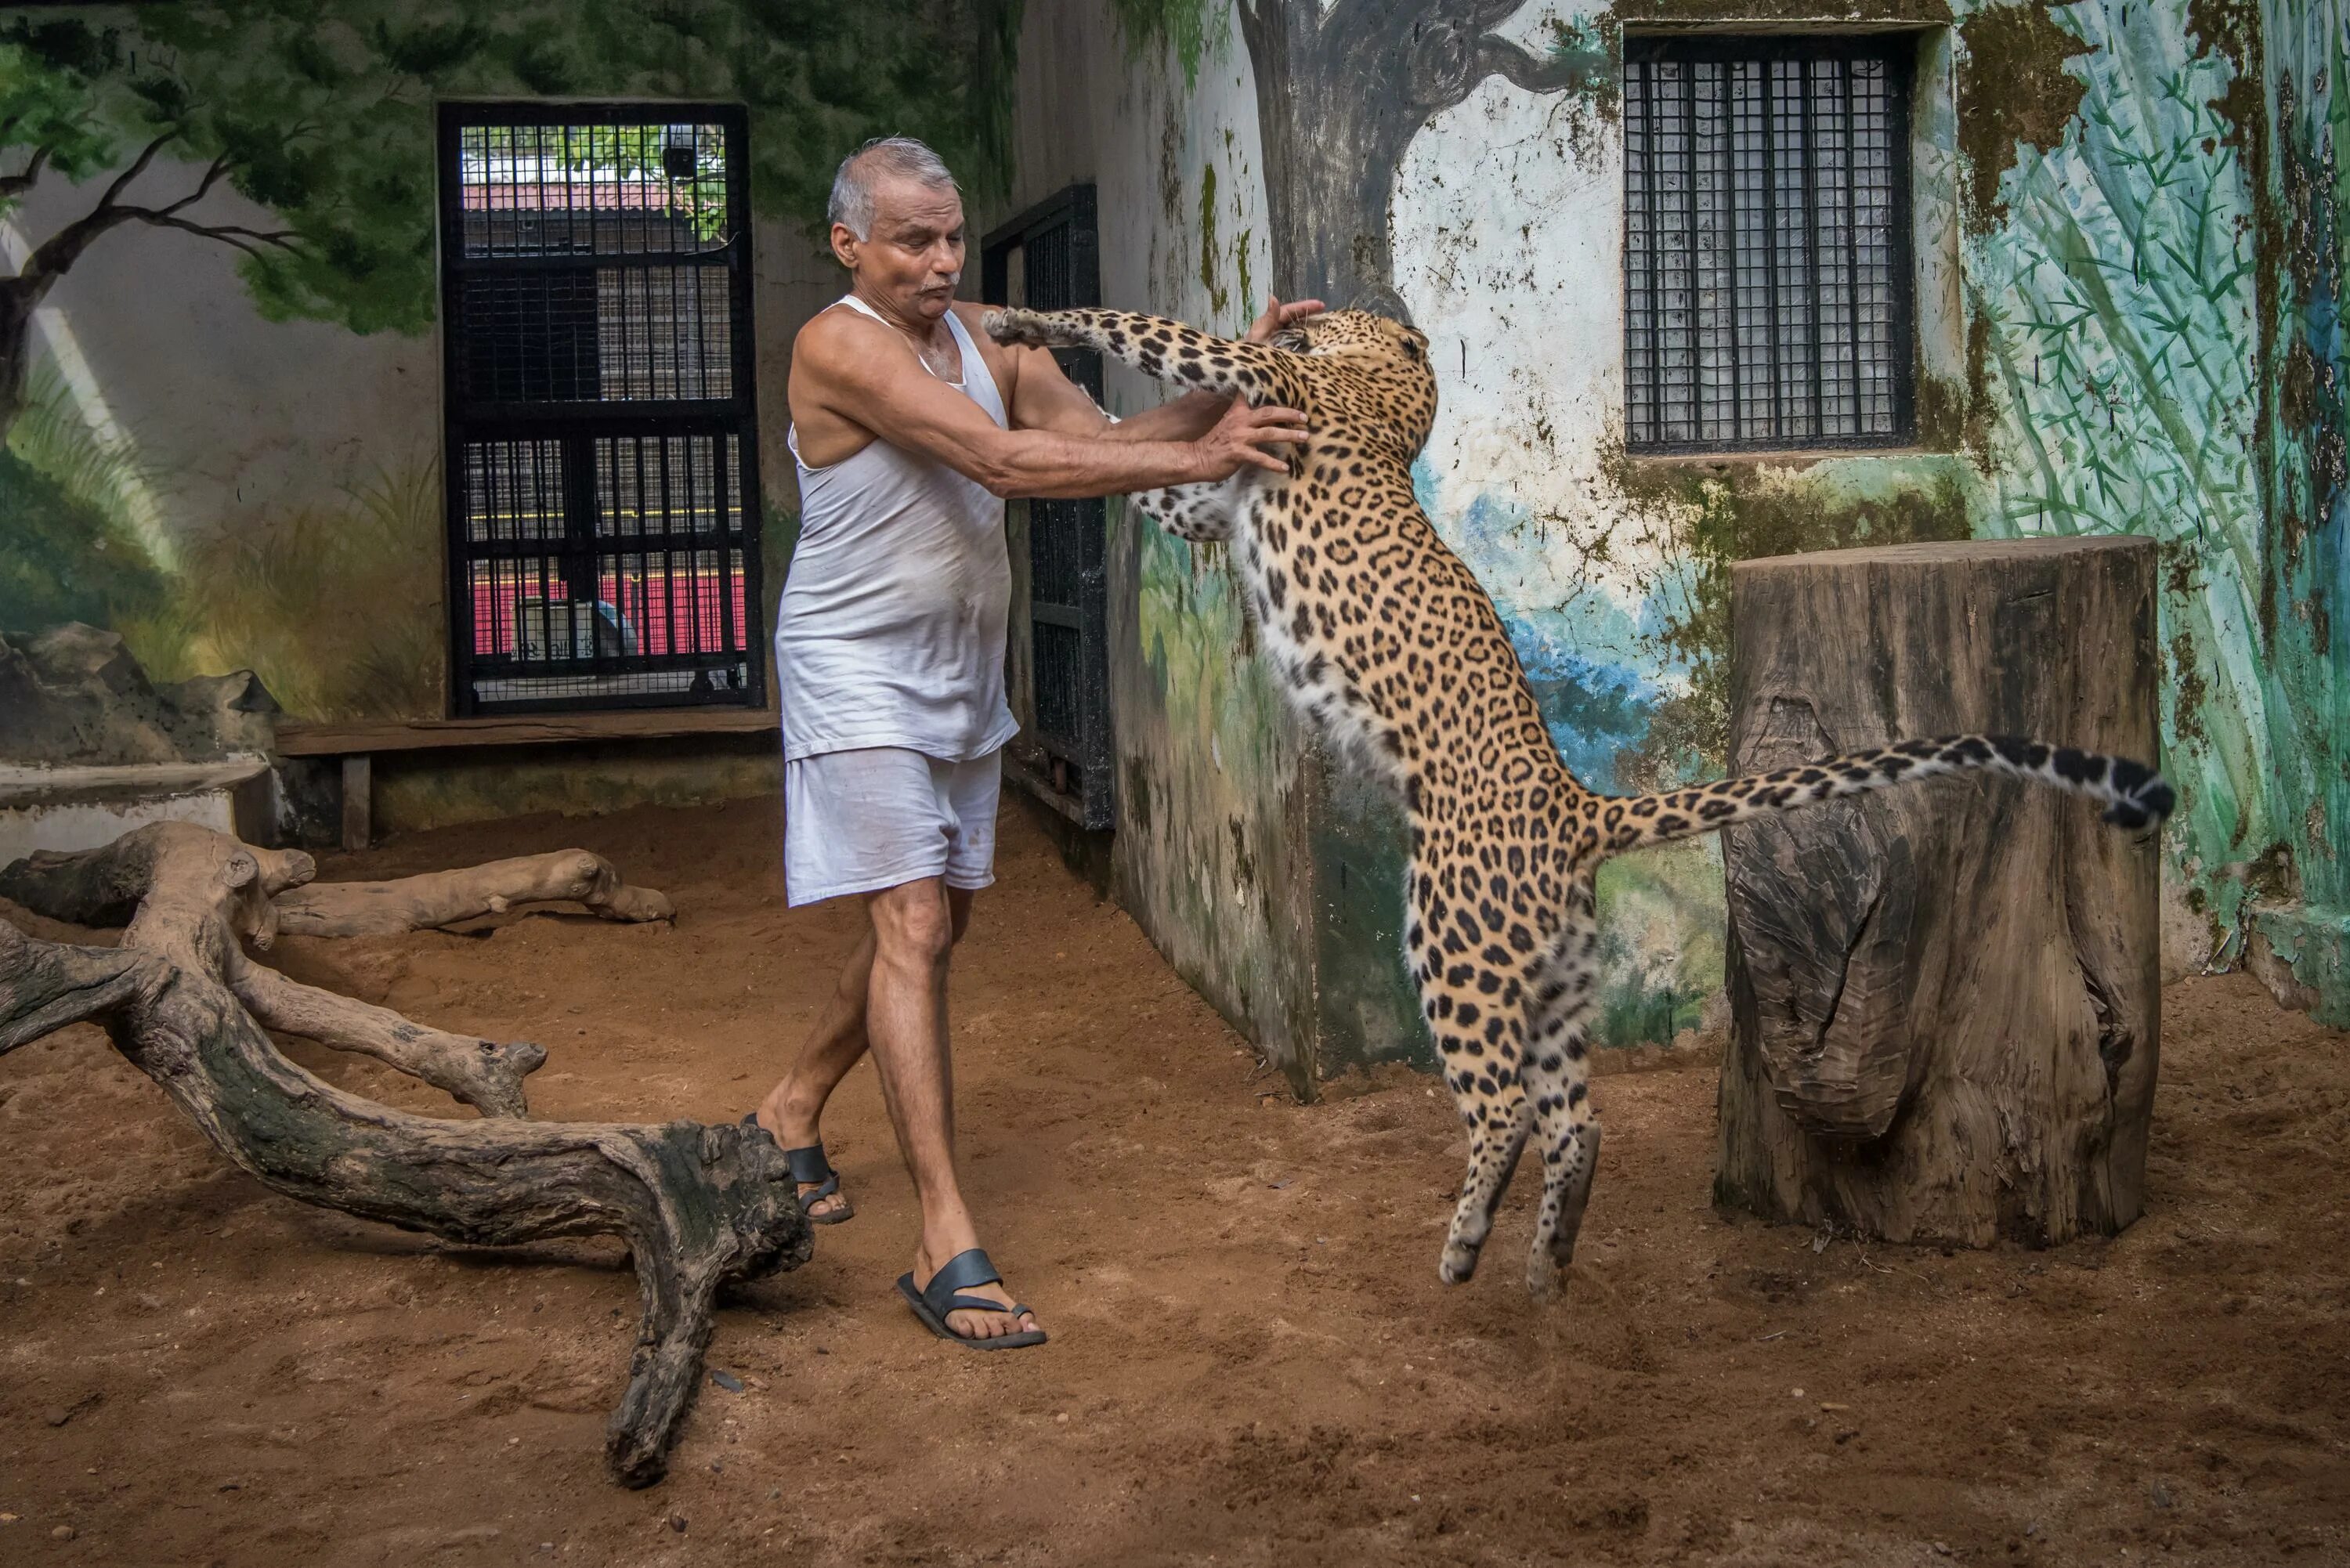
(858,371)
(1045,398)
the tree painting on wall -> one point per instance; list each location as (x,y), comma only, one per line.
(300,134)
(1342,88)
(321,115)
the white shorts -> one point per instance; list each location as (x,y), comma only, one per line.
(858,822)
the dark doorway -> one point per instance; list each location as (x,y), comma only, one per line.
(601,446)
(1048,259)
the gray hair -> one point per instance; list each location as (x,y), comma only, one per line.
(852,186)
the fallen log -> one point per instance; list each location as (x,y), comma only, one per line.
(445,898)
(698,1207)
(486,1075)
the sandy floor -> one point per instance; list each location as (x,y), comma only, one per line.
(1252,1361)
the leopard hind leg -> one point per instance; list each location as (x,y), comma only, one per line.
(1477,1013)
(1557,1079)
(1499,1124)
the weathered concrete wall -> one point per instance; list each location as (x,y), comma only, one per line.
(229,483)
(415,792)
(1209,856)
(2128,243)
(2303,613)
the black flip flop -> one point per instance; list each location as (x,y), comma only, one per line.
(810,1165)
(941,1296)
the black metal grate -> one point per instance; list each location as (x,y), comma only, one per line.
(1060,675)
(1766,257)
(1054,249)
(603,472)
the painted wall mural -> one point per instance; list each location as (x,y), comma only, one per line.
(2305,50)
(1210,852)
(2130,250)
(2154,289)
(2130,271)
(218,376)
(2116,280)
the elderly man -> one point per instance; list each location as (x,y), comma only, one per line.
(908,425)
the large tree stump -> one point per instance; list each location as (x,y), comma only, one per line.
(1944,998)
(698,1207)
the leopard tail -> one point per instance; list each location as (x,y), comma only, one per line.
(2132,793)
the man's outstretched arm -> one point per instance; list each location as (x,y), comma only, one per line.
(1045,398)
(861,372)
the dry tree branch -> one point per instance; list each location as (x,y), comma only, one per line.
(698,1205)
(15,186)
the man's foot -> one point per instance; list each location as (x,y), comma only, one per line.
(967,1323)
(832,1205)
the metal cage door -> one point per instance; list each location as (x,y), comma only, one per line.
(602,441)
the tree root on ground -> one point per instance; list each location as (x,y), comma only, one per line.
(698,1205)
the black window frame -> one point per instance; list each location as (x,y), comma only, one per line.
(578,423)
(1896,51)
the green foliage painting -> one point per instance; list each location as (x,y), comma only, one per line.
(2139,389)
(320,115)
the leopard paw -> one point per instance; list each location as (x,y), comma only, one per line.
(1019,328)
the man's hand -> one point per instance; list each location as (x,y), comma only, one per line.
(1241,438)
(1278,315)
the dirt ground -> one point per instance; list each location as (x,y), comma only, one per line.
(1252,1362)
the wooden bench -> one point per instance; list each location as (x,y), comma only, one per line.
(357,744)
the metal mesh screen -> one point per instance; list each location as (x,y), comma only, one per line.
(604,499)
(609,182)
(1058,533)
(1766,244)
(1060,668)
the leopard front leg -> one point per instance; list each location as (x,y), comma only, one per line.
(1200,513)
(1163,350)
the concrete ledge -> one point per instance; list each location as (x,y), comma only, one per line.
(67,808)
(298,739)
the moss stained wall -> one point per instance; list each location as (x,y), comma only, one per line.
(2129,243)
(2153,293)
(2303,249)
(1208,854)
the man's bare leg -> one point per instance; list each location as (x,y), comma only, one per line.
(915,928)
(795,1106)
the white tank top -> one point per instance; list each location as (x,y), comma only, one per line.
(892,625)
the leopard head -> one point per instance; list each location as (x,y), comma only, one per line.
(1356,333)
(1395,352)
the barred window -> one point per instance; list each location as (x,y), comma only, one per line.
(604,548)
(1766,256)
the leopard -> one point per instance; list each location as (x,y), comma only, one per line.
(1394,652)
